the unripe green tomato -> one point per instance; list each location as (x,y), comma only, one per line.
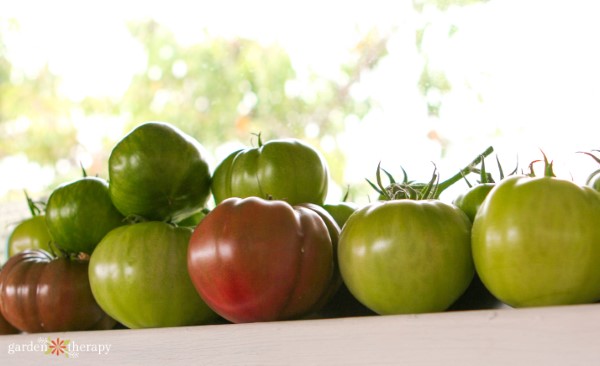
(29,234)
(80,213)
(406,256)
(158,172)
(139,276)
(470,201)
(536,242)
(287,170)
(341,211)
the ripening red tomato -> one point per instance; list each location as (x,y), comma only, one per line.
(260,260)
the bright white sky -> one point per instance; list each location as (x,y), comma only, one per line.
(524,75)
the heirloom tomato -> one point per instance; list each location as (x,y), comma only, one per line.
(406,256)
(287,169)
(6,327)
(39,293)
(260,260)
(80,213)
(159,173)
(138,275)
(536,241)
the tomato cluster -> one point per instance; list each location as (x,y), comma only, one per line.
(146,248)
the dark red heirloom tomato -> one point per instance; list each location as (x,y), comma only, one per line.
(39,293)
(6,327)
(259,260)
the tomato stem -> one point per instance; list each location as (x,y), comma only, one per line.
(466,170)
(83,172)
(345,197)
(259,137)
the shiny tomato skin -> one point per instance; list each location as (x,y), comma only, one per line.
(39,293)
(80,213)
(29,234)
(6,327)
(406,256)
(470,201)
(286,169)
(258,260)
(138,275)
(341,211)
(158,172)
(536,242)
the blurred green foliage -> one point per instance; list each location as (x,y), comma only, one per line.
(218,90)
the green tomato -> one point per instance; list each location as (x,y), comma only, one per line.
(287,170)
(536,242)
(470,201)
(29,234)
(80,213)
(193,220)
(158,172)
(406,256)
(341,211)
(138,275)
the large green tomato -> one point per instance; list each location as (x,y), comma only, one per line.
(139,276)
(29,234)
(536,242)
(158,172)
(288,170)
(80,213)
(406,256)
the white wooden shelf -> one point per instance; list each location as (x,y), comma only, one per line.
(566,335)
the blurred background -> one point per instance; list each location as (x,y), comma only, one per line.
(404,83)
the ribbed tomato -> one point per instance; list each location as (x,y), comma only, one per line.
(260,260)
(158,172)
(80,213)
(39,293)
(286,169)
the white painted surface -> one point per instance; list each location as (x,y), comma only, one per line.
(568,335)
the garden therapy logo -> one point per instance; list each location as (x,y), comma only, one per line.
(59,347)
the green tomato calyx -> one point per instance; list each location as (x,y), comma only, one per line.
(548,167)
(485,177)
(422,191)
(34,206)
(597,171)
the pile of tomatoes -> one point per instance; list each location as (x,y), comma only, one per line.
(141,249)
